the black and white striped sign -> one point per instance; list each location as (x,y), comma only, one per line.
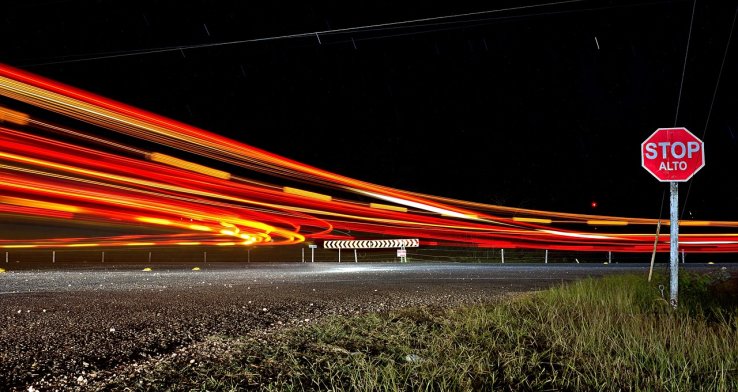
(372,244)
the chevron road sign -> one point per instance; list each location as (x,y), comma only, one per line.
(372,244)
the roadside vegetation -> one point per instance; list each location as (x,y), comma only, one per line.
(606,334)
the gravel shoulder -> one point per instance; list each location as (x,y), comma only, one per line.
(78,329)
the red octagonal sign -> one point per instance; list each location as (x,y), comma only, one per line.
(673,154)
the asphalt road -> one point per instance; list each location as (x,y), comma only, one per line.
(68,327)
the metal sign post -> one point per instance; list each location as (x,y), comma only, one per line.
(674,243)
(672,155)
(312,252)
(402,254)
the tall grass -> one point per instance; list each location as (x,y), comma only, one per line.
(608,334)
(615,333)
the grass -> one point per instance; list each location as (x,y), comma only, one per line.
(607,334)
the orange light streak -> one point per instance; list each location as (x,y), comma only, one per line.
(194,167)
(205,203)
(12,116)
(387,207)
(300,192)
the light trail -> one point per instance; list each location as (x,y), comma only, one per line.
(199,203)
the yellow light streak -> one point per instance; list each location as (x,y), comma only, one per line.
(139,244)
(228,232)
(81,245)
(387,207)
(11,116)
(225,243)
(18,246)
(300,192)
(200,228)
(694,223)
(39,204)
(189,243)
(157,221)
(531,220)
(607,223)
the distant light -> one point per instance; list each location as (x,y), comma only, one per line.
(196,268)
(147,269)
(593,204)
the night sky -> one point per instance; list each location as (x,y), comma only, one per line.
(539,107)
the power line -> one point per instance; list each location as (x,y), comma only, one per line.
(481,21)
(371,27)
(720,74)
(712,102)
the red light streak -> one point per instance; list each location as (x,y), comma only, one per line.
(201,205)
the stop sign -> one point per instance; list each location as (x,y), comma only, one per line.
(672,154)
